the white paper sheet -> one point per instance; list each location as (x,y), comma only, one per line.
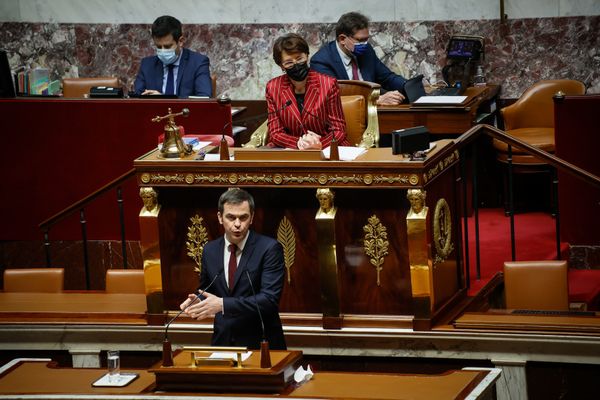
(452,100)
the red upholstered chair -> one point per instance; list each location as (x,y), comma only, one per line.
(536,285)
(35,280)
(125,281)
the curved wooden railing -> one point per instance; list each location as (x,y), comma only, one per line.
(463,141)
(80,205)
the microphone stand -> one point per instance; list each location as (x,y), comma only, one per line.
(265,354)
(223,145)
(167,351)
(334,153)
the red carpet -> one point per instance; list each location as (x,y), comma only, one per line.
(535,239)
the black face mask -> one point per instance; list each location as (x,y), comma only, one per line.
(298,72)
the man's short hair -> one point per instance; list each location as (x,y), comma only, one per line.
(351,22)
(236,196)
(166,24)
(291,43)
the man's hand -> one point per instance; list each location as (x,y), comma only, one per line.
(206,308)
(390,98)
(148,91)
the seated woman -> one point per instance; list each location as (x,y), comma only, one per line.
(305,110)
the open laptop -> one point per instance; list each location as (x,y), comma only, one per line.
(414,89)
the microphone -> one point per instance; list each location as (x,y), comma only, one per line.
(223,146)
(265,356)
(334,153)
(167,351)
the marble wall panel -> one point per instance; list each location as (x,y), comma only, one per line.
(277,11)
(518,53)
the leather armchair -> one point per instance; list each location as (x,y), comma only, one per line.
(359,103)
(35,280)
(531,119)
(536,285)
(80,87)
(125,281)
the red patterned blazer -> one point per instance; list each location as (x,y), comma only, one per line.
(322,112)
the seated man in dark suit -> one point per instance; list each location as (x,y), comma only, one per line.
(234,266)
(350,56)
(174,70)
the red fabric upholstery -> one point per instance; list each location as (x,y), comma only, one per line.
(584,287)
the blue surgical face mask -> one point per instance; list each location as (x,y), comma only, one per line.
(167,56)
(359,48)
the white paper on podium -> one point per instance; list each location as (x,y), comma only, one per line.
(230,354)
(347,153)
(123,379)
(440,100)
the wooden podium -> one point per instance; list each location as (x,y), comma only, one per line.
(183,376)
(365,262)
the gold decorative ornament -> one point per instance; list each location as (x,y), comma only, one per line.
(326,206)
(287,238)
(150,199)
(376,244)
(416,198)
(173,146)
(197,237)
(442,231)
(441,166)
(278,179)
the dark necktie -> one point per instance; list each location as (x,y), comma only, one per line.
(354,70)
(232,264)
(170,89)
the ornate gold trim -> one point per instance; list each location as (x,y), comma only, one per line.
(279,179)
(287,237)
(197,237)
(376,244)
(440,166)
(442,231)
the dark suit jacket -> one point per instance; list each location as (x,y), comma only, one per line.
(240,325)
(193,75)
(328,61)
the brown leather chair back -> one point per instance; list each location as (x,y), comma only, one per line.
(356,117)
(536,285)
(125,281)
(80,87)
(535,107)
(35,280)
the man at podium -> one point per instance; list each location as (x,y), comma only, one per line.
(242,274)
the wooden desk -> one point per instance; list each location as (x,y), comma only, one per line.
(79,307)
(442,120)
(72,382)
(370,190)
(504,320)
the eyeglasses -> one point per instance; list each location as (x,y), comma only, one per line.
(359,41)
(287,64)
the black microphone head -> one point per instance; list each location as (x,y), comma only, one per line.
(288,103)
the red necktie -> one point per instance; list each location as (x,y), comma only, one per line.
(232,264)
(354,70)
